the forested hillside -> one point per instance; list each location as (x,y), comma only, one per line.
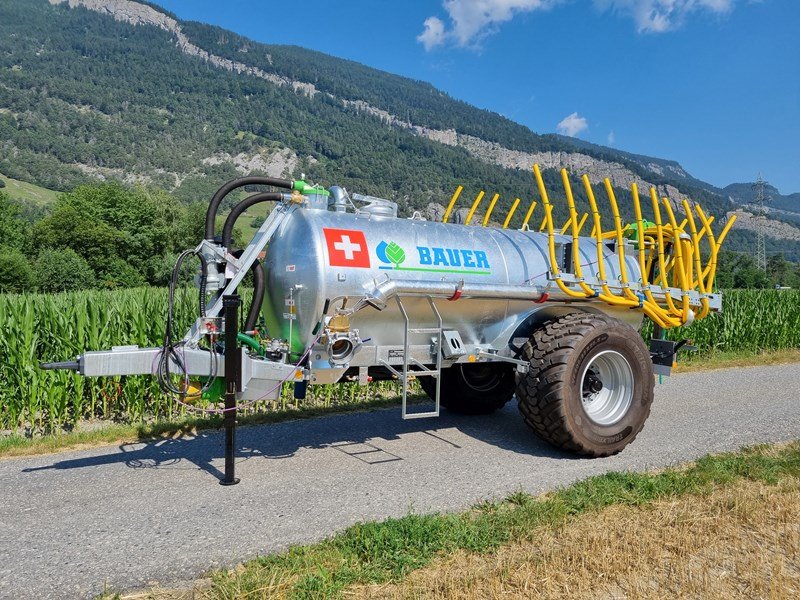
(140,97)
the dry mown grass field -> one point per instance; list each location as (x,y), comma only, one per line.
(740,542)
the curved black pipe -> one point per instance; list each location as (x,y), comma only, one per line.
(226,189)
(259,288)
(227,229)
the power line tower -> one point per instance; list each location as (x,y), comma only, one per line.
(760,210)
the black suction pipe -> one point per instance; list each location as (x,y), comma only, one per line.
(259,288)
(213,206)
(236,212)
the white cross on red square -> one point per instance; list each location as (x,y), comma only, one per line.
(346,248)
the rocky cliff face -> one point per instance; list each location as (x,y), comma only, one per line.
(774,229)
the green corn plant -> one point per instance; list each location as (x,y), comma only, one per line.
(60,326)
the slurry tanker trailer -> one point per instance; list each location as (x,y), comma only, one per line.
(345,290)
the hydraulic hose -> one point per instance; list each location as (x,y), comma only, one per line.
(259,288)
(219,196)
(236,212)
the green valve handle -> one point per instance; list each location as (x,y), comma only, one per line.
(633,229)
(307,189)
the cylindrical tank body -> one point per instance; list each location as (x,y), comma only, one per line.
(317,258)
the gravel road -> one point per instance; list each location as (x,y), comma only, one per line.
(76,523)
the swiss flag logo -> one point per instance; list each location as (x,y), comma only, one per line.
(346,248)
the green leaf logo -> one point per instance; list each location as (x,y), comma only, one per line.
(395,253)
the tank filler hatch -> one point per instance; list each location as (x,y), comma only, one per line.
(375,207)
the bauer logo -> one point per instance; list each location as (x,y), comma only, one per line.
(432,259)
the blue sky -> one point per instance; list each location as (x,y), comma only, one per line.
(713,84)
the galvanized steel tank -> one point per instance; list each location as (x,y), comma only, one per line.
(320,259)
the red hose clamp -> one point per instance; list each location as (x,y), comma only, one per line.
(542,299)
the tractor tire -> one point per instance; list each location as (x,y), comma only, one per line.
(473,389)
(590,385)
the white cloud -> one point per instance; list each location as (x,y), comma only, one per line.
(572,125)
(470,21)
(657,16)
(433,35)
(611,139)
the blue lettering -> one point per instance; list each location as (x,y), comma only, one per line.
(467,254)
(480,257)
(438,257)
(453,257)
(424,255)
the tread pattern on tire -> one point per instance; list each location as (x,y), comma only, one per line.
(540,396)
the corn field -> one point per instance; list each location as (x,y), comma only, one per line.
(60,326)
(750,320)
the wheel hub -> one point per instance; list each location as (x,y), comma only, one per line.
(607,388)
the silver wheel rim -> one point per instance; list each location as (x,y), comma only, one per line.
(607,387)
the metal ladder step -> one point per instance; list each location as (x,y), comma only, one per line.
(424,373)
(421,371)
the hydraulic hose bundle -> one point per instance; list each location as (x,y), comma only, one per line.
(171,350)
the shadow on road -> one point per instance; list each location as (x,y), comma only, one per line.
(358,435)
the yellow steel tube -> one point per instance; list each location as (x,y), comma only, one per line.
(580,224)
(452,203)
(474,207)
(573,218)
(491,208)
(551,237)
(548,214)
(528,215)
(623,271)
(711,245)
(660,250)
(582,221)
(704,306)
(717,245)
(678,250)
(652,254)
(657,313)
(607,294)
(510,213)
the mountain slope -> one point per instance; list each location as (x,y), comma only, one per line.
(745,193)
(121,89)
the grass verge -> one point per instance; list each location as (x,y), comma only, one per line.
(373,559)
(18,445)
(731,359)
(740,541)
